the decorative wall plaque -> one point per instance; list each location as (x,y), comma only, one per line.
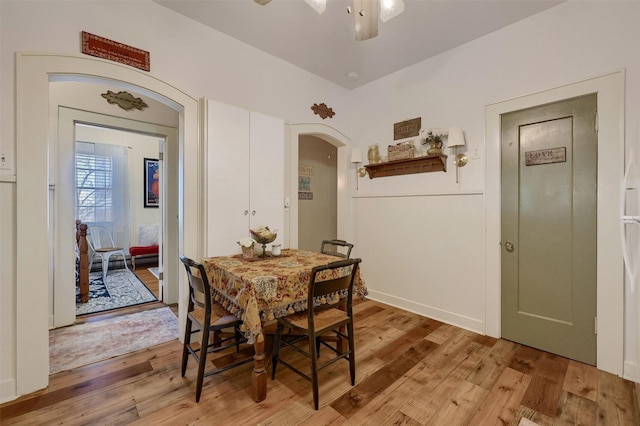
(545,156)
(108,49)
(124,100)
(323,110)
(305,170)
(406,129)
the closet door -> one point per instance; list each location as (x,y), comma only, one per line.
(267,173)
(227,170)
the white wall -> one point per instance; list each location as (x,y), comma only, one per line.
(434,216)
(428,226)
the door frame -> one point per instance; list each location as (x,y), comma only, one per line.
(610,278)
(335,138)
(64,202)
(33,72)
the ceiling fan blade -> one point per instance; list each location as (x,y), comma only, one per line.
(318,5)
(365,15)
(262,2)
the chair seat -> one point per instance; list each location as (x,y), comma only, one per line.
(217,318)
(108,249)
(323,319)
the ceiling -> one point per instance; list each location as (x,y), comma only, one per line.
(325,45)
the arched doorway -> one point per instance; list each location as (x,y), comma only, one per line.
(32,201)
(342,143)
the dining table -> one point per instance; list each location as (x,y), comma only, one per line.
(260,289)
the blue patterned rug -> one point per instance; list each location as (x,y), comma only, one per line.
(121,289)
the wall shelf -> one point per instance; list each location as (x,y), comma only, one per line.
(431,163)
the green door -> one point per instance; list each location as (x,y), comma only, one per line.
(549,177)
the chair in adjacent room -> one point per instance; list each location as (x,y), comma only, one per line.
(208,317)
(333,284)
(331,247)
(101,244)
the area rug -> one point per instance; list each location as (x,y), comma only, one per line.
(122,288)
(88,343)
(155,271)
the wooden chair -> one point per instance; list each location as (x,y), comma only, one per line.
(331,247)
(318,321)
(208,317)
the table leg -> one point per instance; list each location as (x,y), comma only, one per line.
(259,373)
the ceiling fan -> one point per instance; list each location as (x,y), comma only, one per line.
(365,13)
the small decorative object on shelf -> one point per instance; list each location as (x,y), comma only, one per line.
(247,244)
(373,155)
(401,151)
(433,138)
(263,235)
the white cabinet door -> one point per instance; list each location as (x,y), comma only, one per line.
(245,176)
(267,173)
(227,171)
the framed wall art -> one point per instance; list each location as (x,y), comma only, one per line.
(151,182)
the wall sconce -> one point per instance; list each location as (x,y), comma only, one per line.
(456,139)
(356,158)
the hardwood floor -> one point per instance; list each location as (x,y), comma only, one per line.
(148,279)
(411,370)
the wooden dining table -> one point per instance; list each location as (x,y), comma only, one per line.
(261,289)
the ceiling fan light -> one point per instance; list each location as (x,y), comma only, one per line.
(318,5)
(390,9)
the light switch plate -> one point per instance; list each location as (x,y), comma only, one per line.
(5,161)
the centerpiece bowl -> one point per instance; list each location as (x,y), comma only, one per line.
(263,235)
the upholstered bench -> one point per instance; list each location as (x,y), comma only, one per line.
(142,252)
(148,243)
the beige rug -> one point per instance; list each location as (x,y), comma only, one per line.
(84,344)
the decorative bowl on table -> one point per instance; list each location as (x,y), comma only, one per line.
(263,235)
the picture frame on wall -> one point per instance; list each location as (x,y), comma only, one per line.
(151,182)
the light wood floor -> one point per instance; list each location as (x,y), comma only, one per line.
(410,370)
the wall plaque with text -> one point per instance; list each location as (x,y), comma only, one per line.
(108,49)
(406,129)
(545,156)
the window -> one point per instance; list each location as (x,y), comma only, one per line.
(94,188)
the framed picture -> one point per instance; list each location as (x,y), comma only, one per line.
(151,182)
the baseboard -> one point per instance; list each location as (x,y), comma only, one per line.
(631,371)
(471,324)
(7,390)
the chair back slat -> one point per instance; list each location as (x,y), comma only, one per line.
(323,288)
(335,277)
(331,247)
(199,290)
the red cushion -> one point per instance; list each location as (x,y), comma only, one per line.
(140,250)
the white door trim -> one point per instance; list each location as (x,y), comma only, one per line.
(610,293)
(33,71)
(63,282)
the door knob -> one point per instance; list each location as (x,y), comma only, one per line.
(508,245)
(253,213)
(246,212)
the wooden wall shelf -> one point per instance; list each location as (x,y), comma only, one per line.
(431,163)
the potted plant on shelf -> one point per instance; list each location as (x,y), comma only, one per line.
(433,138)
